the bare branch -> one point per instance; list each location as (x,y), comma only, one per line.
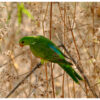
(34,68)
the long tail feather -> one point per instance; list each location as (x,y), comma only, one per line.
(77,75)
(69,70)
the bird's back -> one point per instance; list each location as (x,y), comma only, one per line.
(43,49)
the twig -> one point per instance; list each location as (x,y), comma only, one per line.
(44,35)
(94,53)
(68,89)
(51,5)
(12,91)
(50,20)
(74,43)
(74,89)
(80,70)
(73,38)
(45,18)
(64,52)
(46,77)
(63,84)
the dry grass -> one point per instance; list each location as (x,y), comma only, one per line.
(76,25)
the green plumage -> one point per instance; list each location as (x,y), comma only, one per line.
(44,48)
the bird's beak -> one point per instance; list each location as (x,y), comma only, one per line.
(21,45)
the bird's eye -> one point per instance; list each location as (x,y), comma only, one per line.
(22,41)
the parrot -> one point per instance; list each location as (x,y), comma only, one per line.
(45,49)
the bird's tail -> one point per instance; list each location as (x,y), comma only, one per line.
(70,71)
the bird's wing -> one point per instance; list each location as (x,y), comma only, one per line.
(57,51)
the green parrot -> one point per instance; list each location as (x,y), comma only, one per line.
(46,50)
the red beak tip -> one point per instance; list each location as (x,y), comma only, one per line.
(21,45)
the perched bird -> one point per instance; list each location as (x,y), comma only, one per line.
(45,49)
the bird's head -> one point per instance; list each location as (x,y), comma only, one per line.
(27,40)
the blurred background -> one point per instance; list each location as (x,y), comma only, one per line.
(76,25)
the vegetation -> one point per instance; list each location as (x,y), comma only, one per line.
(76,25)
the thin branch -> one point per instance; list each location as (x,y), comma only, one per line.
(51,5)
(44,35)
(13,90)
(46,77)
(68,88)
(50,20)
(64,52)
(73,38)
(74,89)
(94,53)
(45,18)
